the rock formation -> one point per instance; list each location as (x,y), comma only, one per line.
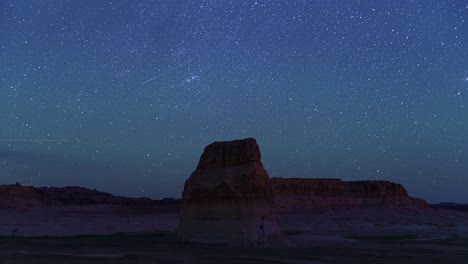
(228,199)
(17,196)
(299,194)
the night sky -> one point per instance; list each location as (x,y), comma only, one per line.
(123,96)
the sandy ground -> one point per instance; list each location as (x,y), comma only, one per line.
(340,235)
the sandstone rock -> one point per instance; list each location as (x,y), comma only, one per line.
(17,196)
(228,199)
(225,154)
(300,194)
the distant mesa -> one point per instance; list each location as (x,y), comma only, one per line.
(300,194)
(290,194)
(18,196)
(228,199)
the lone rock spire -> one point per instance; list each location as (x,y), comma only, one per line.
(228,199)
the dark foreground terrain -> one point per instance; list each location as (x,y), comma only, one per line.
(77,225)
(339,235)
(163,248)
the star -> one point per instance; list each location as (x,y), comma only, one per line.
(191,79)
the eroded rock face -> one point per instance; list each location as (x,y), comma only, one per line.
(300,194)
(228,199)
(230,153)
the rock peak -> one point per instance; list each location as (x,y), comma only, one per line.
(230,153)
(228,199)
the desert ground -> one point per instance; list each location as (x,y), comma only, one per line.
(145,234)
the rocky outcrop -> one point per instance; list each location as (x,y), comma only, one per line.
(230,153)
(228,199)
(17,196)
(299,194)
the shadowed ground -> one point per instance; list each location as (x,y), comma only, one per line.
(163,248)
(340,235)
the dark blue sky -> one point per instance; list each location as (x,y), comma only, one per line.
(132,91)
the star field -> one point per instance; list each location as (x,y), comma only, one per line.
(123,96)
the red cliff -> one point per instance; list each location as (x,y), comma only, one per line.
(298,194)
(228,199)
